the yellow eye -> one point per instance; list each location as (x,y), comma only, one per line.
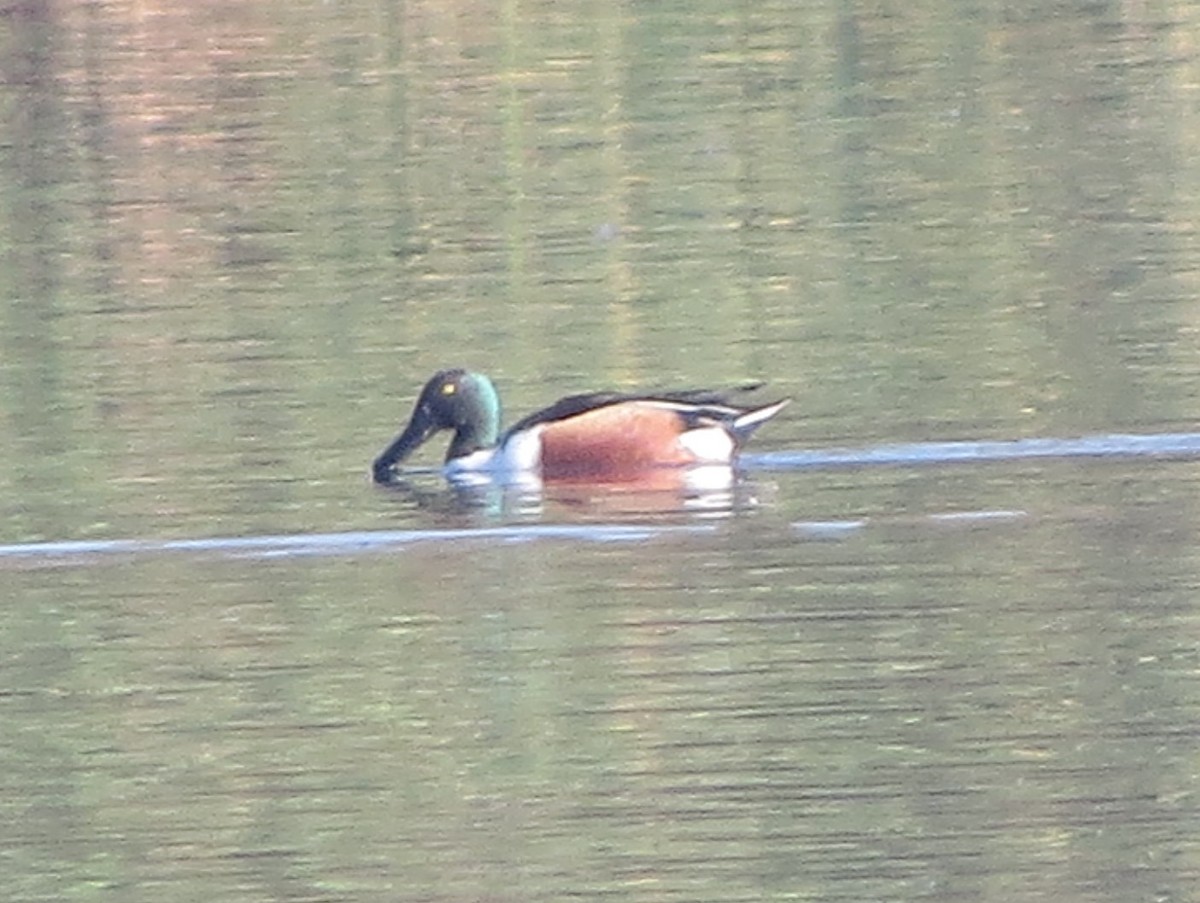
(449,389)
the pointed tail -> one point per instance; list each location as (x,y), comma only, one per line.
(745,424)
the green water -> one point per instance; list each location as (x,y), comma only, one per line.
(238,237)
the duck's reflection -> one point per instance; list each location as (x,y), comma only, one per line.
(703,491)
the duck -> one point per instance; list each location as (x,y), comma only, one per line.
(597,436)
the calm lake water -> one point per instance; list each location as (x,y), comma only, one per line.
(238,237)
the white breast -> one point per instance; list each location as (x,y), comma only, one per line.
(522,453)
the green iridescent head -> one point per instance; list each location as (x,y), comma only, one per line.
(456,400)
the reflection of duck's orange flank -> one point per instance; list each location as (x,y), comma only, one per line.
(603,435)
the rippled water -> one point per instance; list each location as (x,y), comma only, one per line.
(936,642)
(627,501)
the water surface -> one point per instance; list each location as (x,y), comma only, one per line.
(939,643)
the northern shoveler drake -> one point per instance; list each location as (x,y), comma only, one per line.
(599,436)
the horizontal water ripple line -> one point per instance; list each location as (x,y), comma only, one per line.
(1115,445)
(338,543)
(1161,445)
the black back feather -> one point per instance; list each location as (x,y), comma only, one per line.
(711,404)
